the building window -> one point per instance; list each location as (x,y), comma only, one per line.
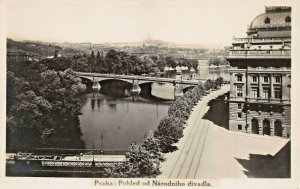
(239,127)
(277,79)
(288,19)
(239,91)
(277,93)
(267,20)
(254,92)
(239,106)
(266,79)
(239,78)
(239,115)
(254,79)
(266,93)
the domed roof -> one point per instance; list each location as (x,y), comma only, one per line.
(272,19)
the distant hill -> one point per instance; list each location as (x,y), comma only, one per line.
(40,49)
(149,46)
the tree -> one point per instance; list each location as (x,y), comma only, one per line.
(168,132)
(161,64)
(98,56)
(194,63)
(92,55)
(81,65)
(183,106)
(208,84)
(111,59)
(100,64)
(62,90)
(24,120)
(141,161)
(219,81)
(151,144)
(55,53)
(218,60)
(171,62)
(58,64)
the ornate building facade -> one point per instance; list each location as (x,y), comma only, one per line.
(260,72)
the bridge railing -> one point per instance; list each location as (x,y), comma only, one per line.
(147,78)
(78,163)
(54,163)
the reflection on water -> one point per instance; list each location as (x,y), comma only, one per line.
(116,120)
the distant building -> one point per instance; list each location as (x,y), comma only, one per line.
(260,73)
(18,55)
(50,57)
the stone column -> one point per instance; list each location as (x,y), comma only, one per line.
(260,126)
(272,127)
(232,86)
(284,131)
(136,87)
(284,88)
(259,86)
(178,91)
(248,85)
(96,84)
(271,87)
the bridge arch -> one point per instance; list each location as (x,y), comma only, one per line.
(186,88)
(115,79)
(99,79)
(145,82)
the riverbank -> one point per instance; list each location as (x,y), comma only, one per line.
(210,151)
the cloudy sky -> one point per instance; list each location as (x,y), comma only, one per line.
(182,21)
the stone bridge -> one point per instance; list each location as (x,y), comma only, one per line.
(179,84)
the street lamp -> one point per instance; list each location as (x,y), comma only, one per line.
(93,162)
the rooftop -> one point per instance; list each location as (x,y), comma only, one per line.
(274,17)
(269,36)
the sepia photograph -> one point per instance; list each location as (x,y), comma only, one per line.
(136,93)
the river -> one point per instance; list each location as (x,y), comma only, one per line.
(114,121)
(113,117)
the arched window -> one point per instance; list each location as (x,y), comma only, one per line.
(267,20)
(254,126)
(266,127)
(288,19)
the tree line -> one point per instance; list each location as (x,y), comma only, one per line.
(119,62)
(218,60)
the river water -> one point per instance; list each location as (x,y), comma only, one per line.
(113,117)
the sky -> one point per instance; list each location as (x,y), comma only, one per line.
(212,22)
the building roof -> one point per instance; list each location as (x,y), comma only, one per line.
(274,17)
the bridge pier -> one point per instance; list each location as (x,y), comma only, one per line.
(178,92)
(193,76)
(136,87)
(96,84)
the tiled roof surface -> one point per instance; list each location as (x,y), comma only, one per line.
(276,20)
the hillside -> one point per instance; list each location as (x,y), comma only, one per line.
(39,48)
